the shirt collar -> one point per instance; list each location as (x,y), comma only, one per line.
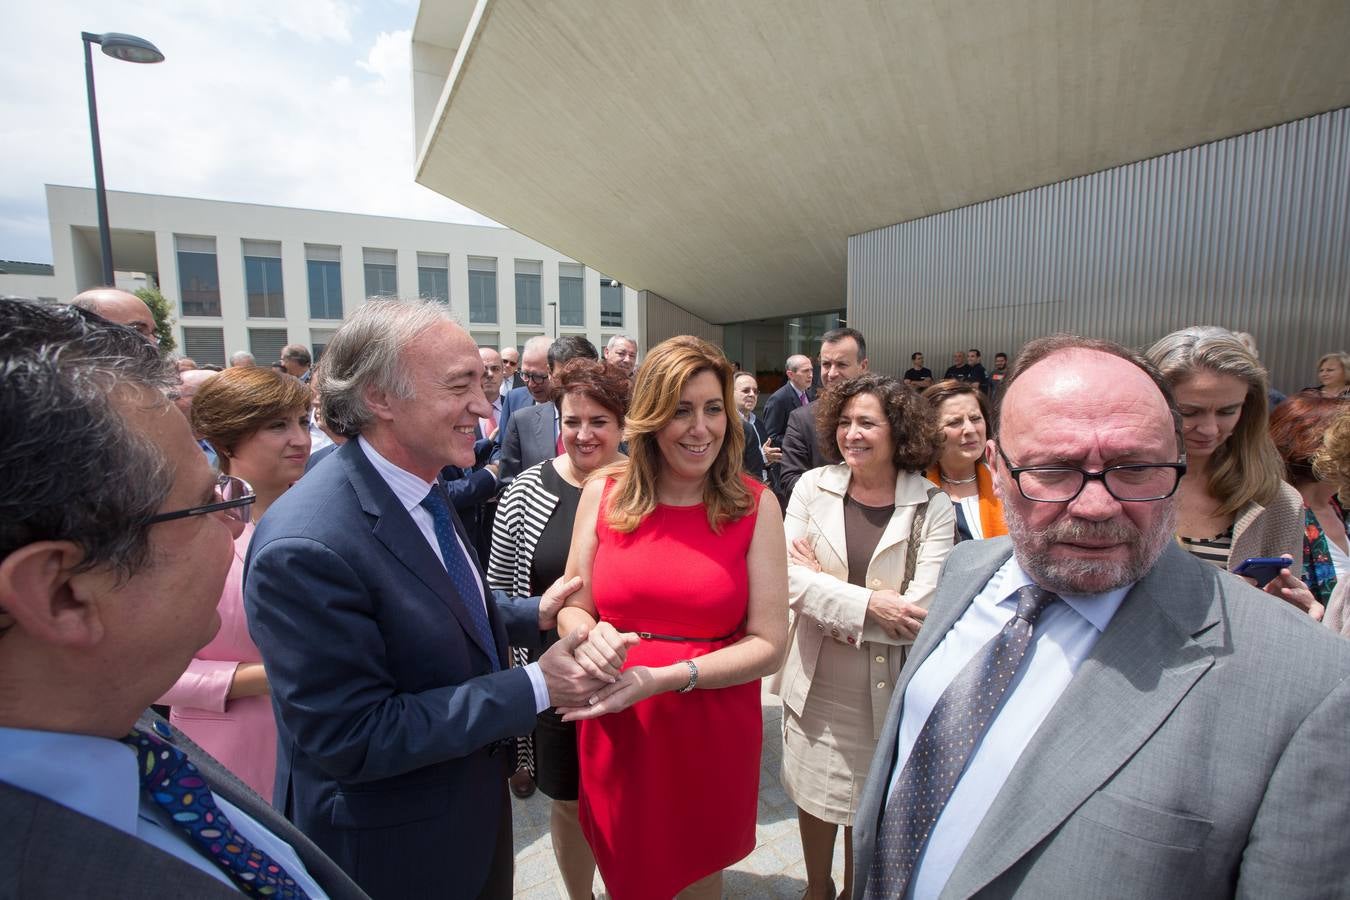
(94,776)
(1098,609)
(410,489)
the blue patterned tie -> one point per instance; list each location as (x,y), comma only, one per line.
(945,744)
(461,573)
(177,787)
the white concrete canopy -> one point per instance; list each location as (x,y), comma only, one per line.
(720,154)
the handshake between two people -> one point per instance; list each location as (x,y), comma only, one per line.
(584,670)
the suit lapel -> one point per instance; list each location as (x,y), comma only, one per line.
(827,508)
(1141,668)
(396,530)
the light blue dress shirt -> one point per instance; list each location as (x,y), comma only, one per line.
(1062,638)
(411,490)
(97,777)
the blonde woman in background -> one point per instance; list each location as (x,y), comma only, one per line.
(1233,502)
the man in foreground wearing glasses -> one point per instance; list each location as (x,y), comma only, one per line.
(1090,711)
(114,544)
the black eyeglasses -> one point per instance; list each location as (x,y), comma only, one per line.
(234,497)
(534,377)
(1130,483)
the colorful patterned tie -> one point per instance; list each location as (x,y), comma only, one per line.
(945,744)
(176,786)
(461,572)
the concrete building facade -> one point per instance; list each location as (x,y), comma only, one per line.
(244,276)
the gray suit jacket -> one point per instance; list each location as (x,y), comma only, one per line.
(1199,752)
(49,851)
(529,440)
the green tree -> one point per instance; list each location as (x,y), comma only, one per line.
(159,308)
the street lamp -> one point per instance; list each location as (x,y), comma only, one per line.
(129,48)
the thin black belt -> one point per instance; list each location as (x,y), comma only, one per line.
(649,636)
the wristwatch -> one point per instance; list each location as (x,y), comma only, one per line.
(693,676)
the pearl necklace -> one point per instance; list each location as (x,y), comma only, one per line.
(957,481)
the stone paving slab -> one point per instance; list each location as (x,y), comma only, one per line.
(775,868)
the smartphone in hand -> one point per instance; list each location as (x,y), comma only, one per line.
(1262,569)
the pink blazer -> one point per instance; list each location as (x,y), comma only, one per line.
(241,733)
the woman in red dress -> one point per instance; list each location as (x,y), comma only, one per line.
(685,600)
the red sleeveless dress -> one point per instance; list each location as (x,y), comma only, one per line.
(669,786)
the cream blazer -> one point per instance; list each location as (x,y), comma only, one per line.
(825,607)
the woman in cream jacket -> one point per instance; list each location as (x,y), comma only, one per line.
(866,540)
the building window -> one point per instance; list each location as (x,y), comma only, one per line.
(262,279)
(485,338)
(318,342)
(198,280)
(433,276)
(529,298)
(205,345)
(381,272)
(572,295)
(323,265)
(611,303)
(483,290)
(265,344)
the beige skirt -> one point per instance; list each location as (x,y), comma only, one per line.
(827,750)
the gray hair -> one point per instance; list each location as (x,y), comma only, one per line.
(71,467)
(614,339)
(366,353)
(242,358)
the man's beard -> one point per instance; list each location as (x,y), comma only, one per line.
(1088,576)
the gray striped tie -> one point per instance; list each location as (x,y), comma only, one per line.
(945,744)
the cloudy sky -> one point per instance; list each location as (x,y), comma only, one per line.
(295,103)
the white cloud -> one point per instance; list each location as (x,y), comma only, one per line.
(255,102)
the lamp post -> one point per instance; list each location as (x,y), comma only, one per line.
(128,48)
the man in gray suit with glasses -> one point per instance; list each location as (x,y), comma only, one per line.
(1088,710)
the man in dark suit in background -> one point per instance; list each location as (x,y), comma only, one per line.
(535,389)
(385,650)
(759,454)
(532,433)
(108,587)
(843,355)
(510,371)
(795,394)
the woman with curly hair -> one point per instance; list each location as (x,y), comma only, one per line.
(1331,464)
(684,583)
(867,536)
(1297,427)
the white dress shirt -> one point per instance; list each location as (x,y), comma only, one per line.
(97,777)
(411,490)
(1063,637)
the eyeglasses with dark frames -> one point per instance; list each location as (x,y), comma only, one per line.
(234,497)
(1128,483)
(534,377)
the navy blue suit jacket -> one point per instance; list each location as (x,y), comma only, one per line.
(388,712)
(516,398)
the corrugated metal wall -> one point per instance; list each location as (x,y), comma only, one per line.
(664,319)
(1252,233)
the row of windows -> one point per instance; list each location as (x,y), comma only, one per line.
(199,284)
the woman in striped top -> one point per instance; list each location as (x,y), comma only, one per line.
(1233,502)
(530,541)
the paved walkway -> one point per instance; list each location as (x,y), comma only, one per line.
(774,869)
